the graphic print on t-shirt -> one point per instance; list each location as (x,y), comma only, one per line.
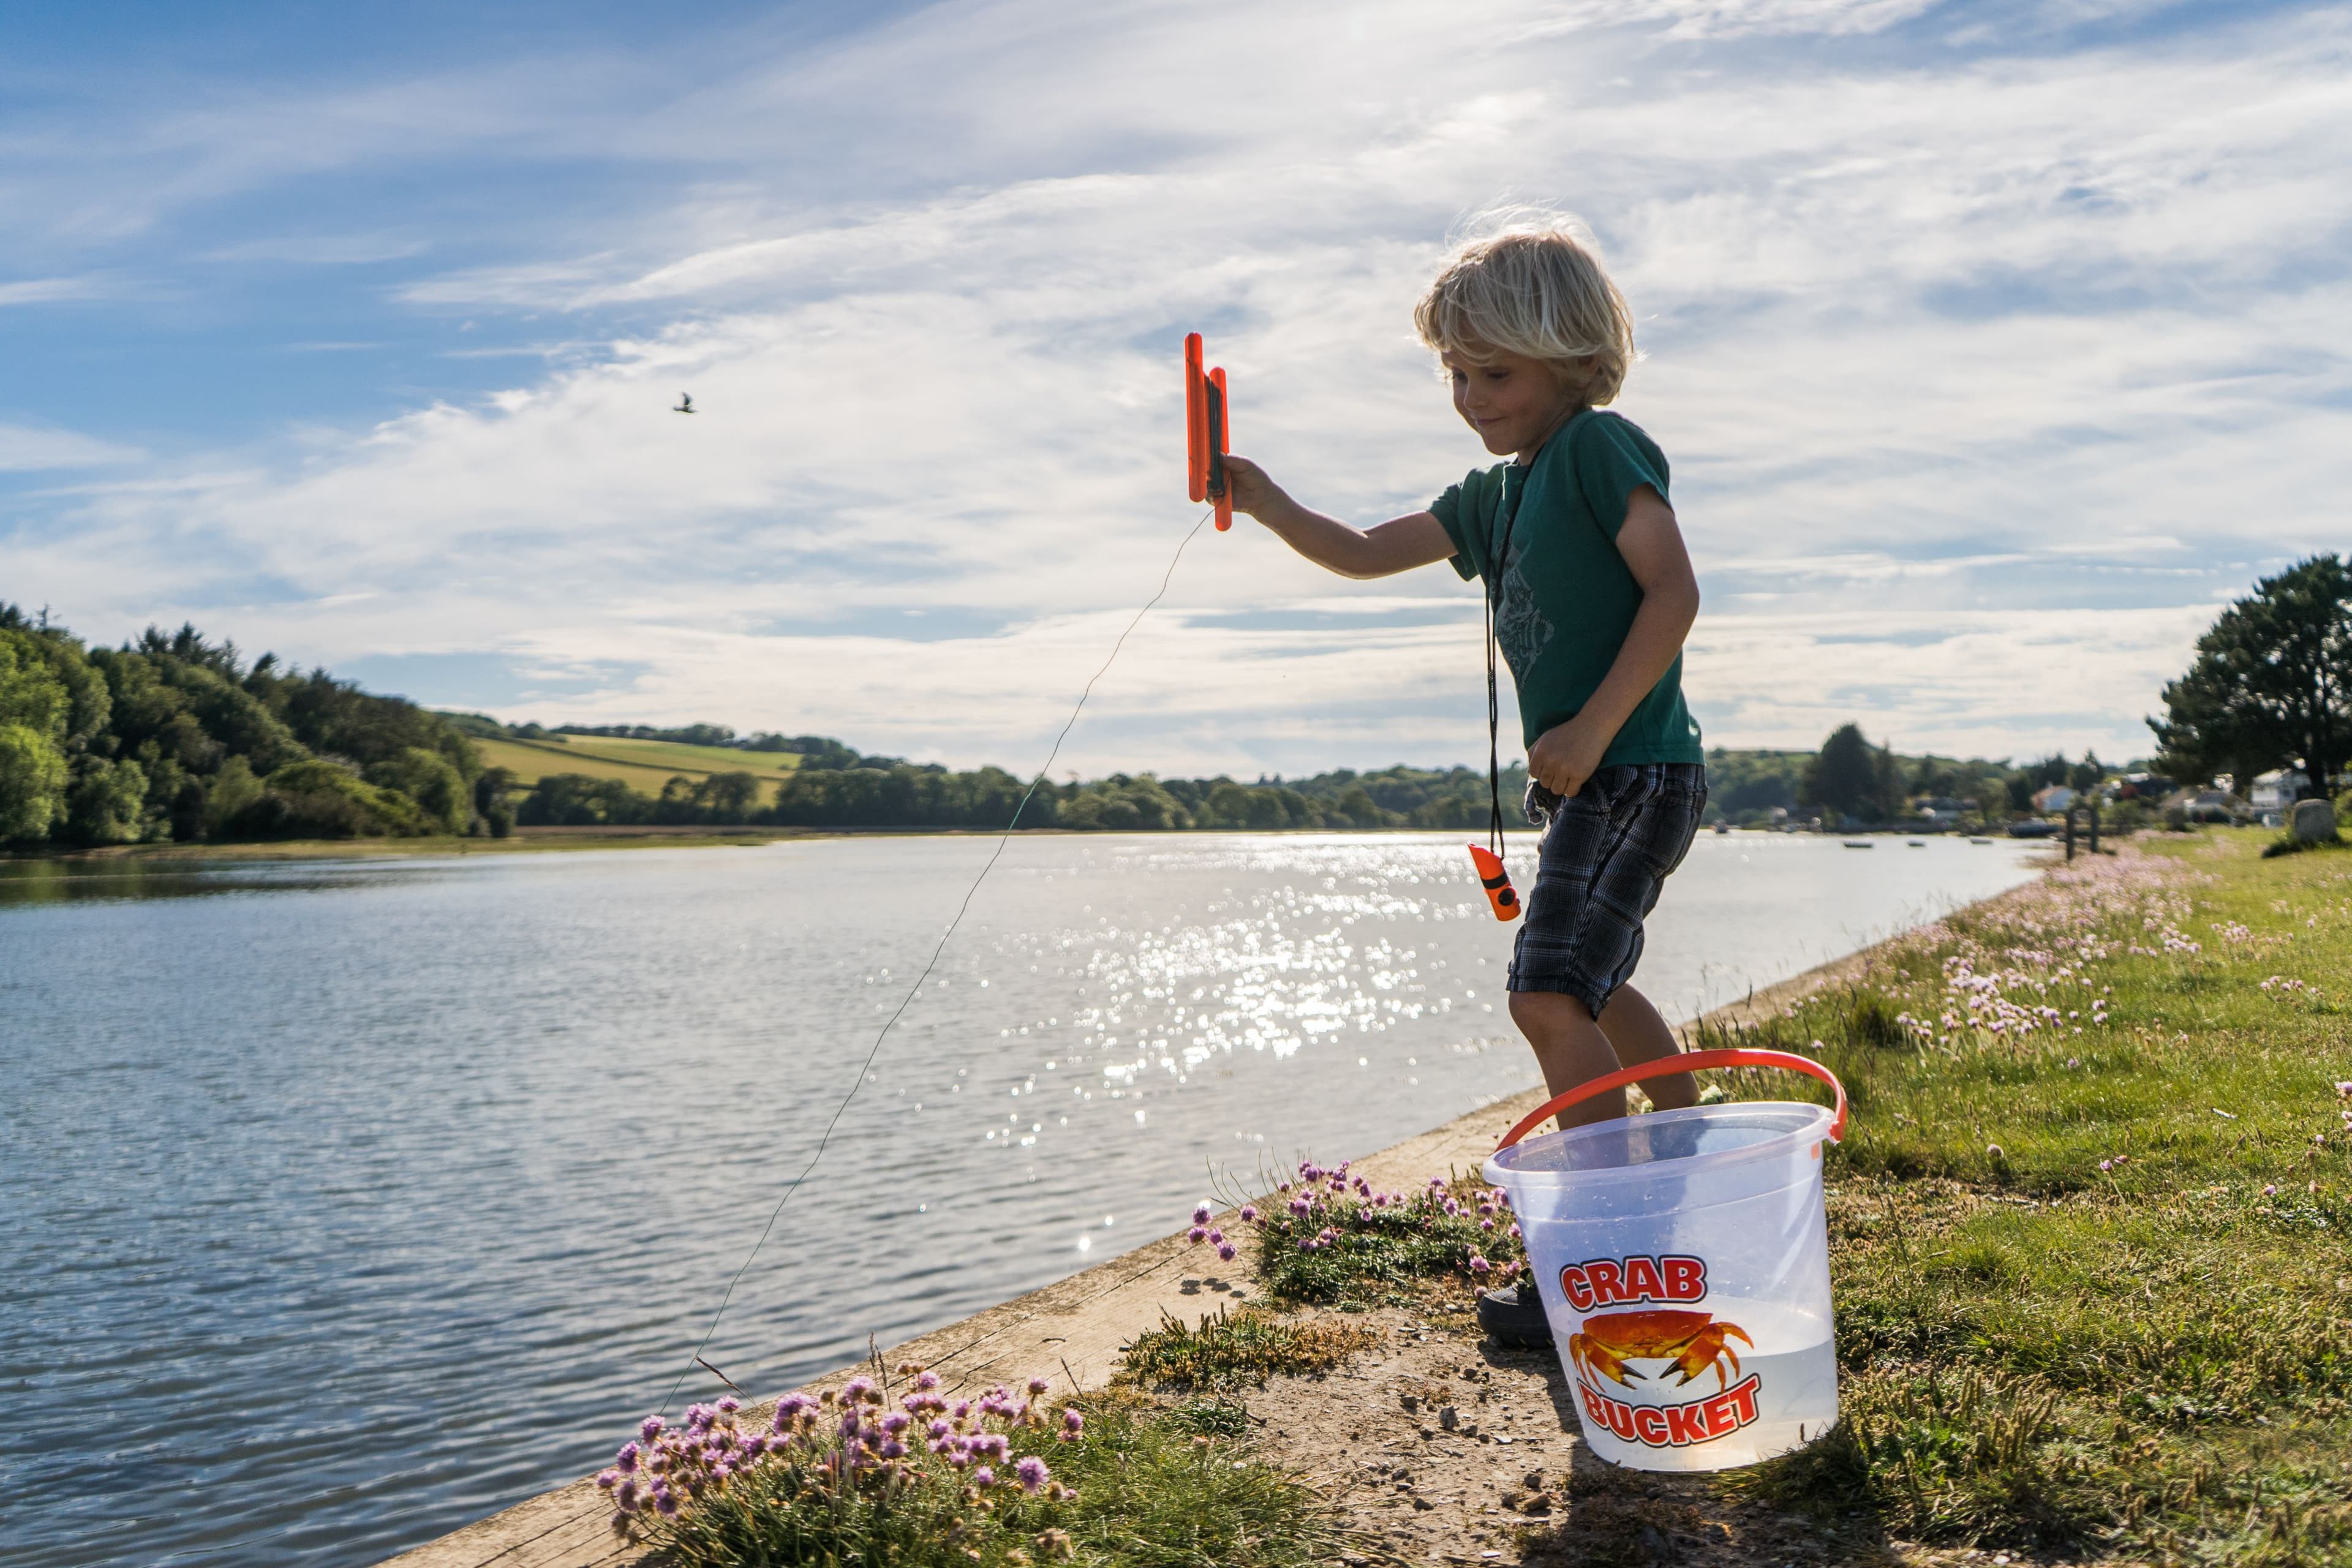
(1520,628)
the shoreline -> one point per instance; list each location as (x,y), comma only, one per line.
(552,840)
(1075,1326)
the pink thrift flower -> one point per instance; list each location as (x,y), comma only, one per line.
(1033,1473)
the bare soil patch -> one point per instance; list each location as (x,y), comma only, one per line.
(1442,1446)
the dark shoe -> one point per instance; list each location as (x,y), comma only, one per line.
(1514,1315)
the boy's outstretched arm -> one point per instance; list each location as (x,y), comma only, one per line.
(1564,756)
(1381,551)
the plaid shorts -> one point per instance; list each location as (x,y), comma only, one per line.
(1601,861)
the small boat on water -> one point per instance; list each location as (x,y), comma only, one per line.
(1860,844)
(1979,840)
(1918,843)
(1723,828)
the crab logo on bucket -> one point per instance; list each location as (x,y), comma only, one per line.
(1692,1342)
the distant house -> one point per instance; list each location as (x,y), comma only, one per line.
(2278,789)
(1940,813)
(2056,797)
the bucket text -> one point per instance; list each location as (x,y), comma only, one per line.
(1673,1426)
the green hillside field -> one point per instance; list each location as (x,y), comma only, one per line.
(643,765)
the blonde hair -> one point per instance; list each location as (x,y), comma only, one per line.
(1527,280)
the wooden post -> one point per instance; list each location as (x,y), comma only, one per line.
(2070,833)
(2094,824)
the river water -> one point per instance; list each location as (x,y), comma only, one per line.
(347,1202)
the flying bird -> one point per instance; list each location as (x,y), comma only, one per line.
(685,404)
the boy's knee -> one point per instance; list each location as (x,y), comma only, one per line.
(1535,1012)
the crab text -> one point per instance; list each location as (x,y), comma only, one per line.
(1615,1281)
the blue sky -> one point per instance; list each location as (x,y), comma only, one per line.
(1994,347)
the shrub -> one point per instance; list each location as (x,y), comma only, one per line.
(936,1484)
(318,799)
(1247,1346)
(1329,1235)
(430,780)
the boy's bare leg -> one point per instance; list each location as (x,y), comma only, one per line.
(1640,1034)
(1572,1049)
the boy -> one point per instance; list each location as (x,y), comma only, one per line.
(1592,594)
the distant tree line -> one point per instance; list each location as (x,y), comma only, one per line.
(906,796)
(1850,781)
(173,736)
(176,737)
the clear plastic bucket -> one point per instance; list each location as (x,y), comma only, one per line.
(1683,1260)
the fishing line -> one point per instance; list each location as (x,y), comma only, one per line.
(863,1068)
(906,1001)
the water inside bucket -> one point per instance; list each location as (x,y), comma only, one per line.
(1778,1400)
(1695,1236)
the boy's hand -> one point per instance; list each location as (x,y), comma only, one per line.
(1565,755)
(1253,492)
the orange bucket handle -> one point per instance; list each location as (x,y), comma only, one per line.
(1685,1061)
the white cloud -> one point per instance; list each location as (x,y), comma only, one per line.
(320,250)
(1988,374)
(52,290)
(31,448)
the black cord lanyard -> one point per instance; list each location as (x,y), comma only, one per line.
(1494,597)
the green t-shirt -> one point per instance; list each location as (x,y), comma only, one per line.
(1566,597)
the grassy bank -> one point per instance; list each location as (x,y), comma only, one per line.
(2089,1228)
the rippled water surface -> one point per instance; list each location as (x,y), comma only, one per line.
(349,1202)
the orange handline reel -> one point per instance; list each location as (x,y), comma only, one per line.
(1206,436)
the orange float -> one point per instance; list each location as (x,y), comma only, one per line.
(1496,881)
